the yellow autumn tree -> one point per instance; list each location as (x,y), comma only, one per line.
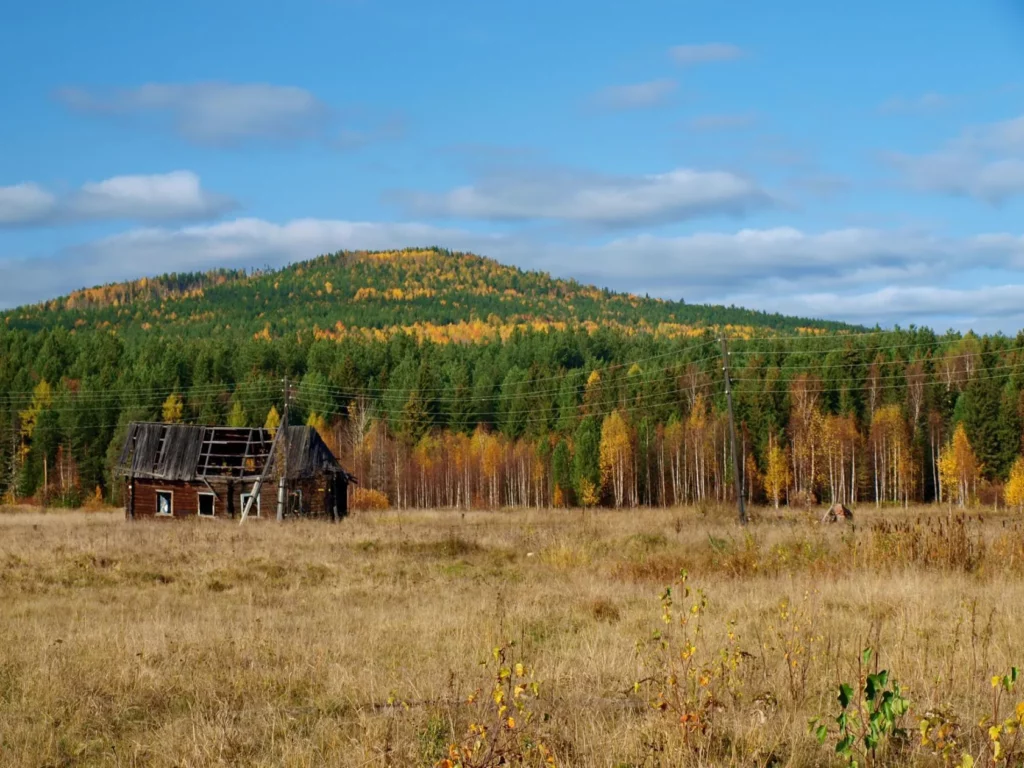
(776,474)
(558,498)
(487,449)
(592,391)
(1013,493)
(425,459)
(236,416)
(42,398)
(958,468)
(173,408)
(273,420)
(675,444)
(588,493)
(616,455)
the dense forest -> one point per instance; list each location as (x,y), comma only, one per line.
(446,379)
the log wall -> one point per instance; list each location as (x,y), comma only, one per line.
(228,503)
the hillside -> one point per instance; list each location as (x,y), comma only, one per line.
(432,293)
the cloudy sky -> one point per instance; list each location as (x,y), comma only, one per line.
(861,161)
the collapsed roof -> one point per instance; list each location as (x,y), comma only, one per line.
(195,453)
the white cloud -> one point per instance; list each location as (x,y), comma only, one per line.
(963,174)
(706,264)
(609,201)
(986,308)
(22,203)
(213,112)
(985,162)
(620,98)
(704,53)
(175,195)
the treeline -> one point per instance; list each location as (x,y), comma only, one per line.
(545,418)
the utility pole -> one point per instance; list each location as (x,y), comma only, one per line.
(257,488)
(732,434)
(282,485)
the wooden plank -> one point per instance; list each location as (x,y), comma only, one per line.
(245,453)
(209,449)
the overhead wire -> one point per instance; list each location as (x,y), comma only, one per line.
(91,400)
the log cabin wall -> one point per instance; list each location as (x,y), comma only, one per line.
(185,499)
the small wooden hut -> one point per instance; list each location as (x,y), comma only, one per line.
(175,471)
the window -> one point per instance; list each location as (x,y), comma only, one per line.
(255,511)
(165,502)
(206,504)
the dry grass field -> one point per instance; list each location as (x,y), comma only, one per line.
(372,642)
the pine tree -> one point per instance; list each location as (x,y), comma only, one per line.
(983,414)
(587,461)
(561,472)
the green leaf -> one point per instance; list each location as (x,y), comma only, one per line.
(845,695)
(871,687)
(821,733)
(876,684)
(865,656)
(843,745)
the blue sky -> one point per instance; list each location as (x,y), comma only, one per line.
(863,163)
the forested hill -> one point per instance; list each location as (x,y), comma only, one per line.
(430,293)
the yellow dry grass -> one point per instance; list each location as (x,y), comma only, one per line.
(357,644)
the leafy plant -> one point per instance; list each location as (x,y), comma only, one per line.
(503,725)
(870,717)
(688,678)
(1004,730)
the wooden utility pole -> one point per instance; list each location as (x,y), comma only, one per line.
(732,435)
(270,460)
(254,496)
(282,483)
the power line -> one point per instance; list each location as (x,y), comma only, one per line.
(114,393)
(57,427)
(28,396)
(402,394)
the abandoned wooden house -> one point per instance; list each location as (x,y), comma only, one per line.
(180,471)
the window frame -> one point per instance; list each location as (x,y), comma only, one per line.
(170,495)
(199,507)
(242,497)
